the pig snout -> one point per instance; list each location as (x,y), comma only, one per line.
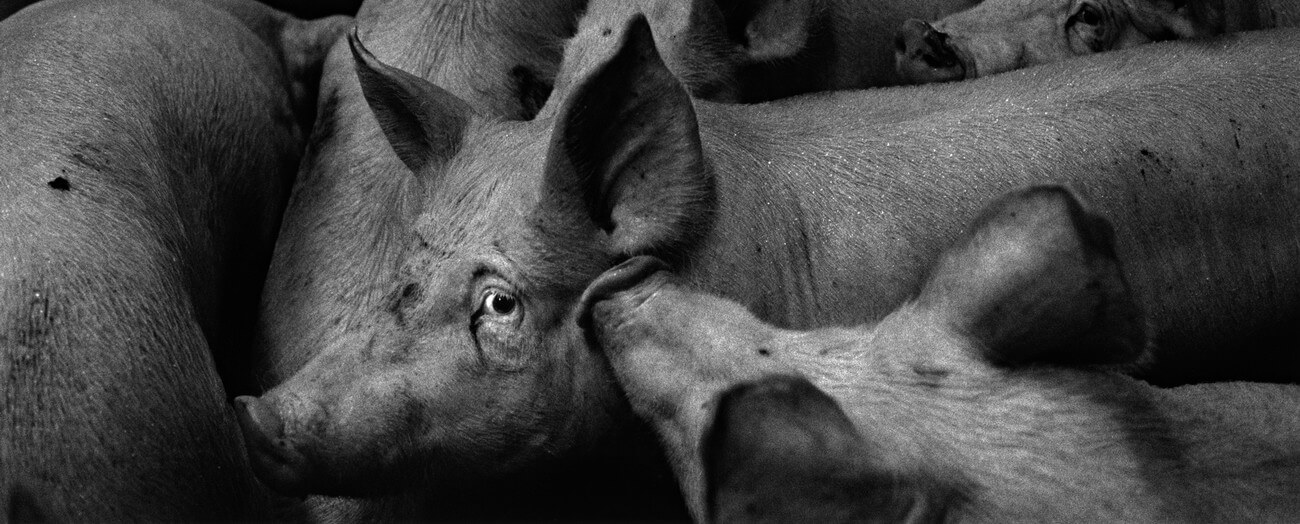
(275,458)
(923,54)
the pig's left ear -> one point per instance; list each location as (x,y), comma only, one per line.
(1167,20)
(781,450)
(1036,280)
(625,155)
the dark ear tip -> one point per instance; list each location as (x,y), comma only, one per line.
(638,34)
(781,387)
(639,26)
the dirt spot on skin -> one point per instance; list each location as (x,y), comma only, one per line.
(61,184)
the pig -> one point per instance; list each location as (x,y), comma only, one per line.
(988,396)
(1003,35)
(812,211)
(146,150)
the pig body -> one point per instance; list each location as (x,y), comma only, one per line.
(975,399)
(1003,35)
(146,148)
(815,211)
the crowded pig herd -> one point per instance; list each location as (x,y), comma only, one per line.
(720,260)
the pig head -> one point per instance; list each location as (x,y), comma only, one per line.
(1035,282)
(474,365)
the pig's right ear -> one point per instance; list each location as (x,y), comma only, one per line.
(1036,280)
(625,155)
(423,123)
(781,450)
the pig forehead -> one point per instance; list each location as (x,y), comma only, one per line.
(481,205)
(494,179)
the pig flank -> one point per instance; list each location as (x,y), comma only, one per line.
(146,149)
(952,411)
(814,211)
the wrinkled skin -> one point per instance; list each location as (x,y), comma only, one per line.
(984,386)
(146,150)
(1003,35)
(816,211)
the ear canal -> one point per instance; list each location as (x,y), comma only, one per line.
(1037,280)
(625,155)
(423,123)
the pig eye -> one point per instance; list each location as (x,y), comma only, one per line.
(1087,15)
(498,303)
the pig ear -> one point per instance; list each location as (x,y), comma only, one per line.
(1036,280)
(1167,20)
(773,29)
(304,44)
(625,154)
(423,123)
(781,450)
